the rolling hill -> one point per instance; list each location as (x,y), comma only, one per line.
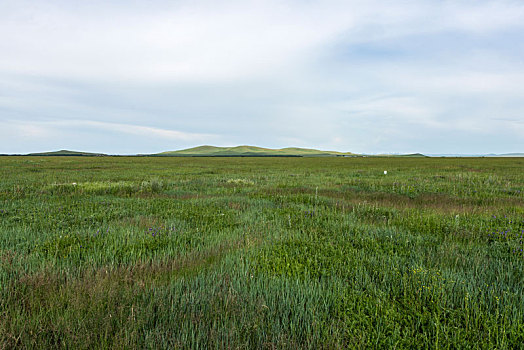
(65,152)
(251,151)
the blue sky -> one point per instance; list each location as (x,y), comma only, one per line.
(361,76)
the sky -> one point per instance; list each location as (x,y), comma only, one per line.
(126,77)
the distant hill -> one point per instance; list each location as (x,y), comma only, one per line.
(65,152)
(385,155)
(413,155)
(251,151)
(506,155)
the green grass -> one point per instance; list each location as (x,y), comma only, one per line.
(135,252)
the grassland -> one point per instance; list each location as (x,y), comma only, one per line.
(133,252)
(213,151)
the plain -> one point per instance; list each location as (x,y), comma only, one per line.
(120,252)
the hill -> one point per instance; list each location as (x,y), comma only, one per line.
(251,151)
(65,152)
(506,155)
(386,155)
(414,155)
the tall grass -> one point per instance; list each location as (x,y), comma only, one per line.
(261,253)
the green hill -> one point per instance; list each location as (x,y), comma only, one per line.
(251,151)
(414,155)
(65,152)
(240,151)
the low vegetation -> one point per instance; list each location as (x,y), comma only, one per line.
(134,252)
(252,151)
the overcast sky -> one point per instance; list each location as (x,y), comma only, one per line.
(124,76)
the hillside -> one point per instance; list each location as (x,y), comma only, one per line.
(65,152)
(246,151)
(414,155)
(253,151)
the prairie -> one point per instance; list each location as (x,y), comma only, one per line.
(161,252)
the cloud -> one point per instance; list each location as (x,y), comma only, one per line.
(204,42)
(140,130)
(69,130)
(44,129)
(218,41)
(349,75)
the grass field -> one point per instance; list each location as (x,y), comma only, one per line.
(130,252)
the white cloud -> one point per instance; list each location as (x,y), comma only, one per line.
(141,130)
(185,44)
(47,128)
(219,41)
(266,72)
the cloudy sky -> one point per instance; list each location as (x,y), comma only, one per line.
(430,76)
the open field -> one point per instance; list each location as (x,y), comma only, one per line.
(261,252)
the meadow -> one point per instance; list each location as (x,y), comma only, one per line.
(276,253)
